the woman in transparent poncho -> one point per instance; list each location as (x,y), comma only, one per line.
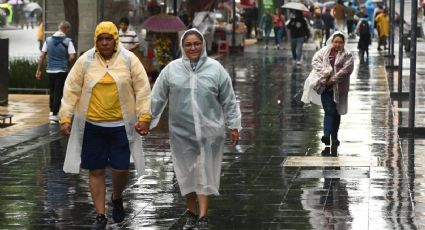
(201,104)
(328,84)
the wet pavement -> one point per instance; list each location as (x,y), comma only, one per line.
(280,176)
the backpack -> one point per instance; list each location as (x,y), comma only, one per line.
(364,28)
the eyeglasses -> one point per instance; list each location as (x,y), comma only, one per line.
(189,45)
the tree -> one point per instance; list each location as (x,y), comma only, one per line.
(71,15)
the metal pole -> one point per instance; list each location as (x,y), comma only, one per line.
(400,48)
(412,90)
(234,25)
(100,10)
(4,69)
(392,34)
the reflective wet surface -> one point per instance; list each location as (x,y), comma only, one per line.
(374,180)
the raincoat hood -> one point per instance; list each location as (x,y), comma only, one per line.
(329,41)
(107,27)
(204,47)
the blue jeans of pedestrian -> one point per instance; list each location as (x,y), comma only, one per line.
(297,48)
(278,31)
(331,119)
(267,32)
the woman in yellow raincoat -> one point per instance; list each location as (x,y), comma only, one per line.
(106,96)
(382,22)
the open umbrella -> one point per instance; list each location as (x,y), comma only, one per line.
(164,23)
(295,6)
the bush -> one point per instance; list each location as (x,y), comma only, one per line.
(22,75)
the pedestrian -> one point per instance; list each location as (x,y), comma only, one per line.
(328,19)
(365,38)
(328,84)
(106,96)
(318,28)
(128,37)
(59,51)
(382,23)
(299,33)
(350,12)
(201,104)
(339,15)
(266,26)
(279,27)
(40,35)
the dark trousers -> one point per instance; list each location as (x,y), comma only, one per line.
(331,119)
(350,26)
(56,83)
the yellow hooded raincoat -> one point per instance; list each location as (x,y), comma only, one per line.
(134,96)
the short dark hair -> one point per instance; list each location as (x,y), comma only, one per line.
(125,20)
(192,32)
(339,35)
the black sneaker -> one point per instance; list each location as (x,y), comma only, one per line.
(326,140)
(191,219)
(100,222)
(118,213)
(202,223)
(335,142)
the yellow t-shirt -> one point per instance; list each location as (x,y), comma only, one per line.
(104,103)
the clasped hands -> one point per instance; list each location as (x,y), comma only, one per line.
(142,128)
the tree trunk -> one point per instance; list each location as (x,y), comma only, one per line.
(71,15)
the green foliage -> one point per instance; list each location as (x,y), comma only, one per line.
(22,75)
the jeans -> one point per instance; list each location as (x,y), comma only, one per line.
(278,31)
(331,119)
(56,83)
(297,48)
(267,32)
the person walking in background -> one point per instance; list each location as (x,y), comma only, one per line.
(350,12)
(201,104)
(299,33)
(40,35)
(59,51)
(382,23)
(339,15)
(365,39)
(266,26)
(107,100)
(279,27)
(328,84)
(328,19)
(128,37)
(318,28)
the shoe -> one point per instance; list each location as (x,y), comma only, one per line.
(326,140)
(335,142)
(266,47)
(278,47)
(100,222)
(191,219)
(118,213)
(202,223)
(299,63)
(54,119)
(326,152)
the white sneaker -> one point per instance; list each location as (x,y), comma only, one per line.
(299,63)
(54,119)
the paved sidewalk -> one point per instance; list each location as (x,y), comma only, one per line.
(370,185)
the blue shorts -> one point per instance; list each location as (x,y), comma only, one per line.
(103,146)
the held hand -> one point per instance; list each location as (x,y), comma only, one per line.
(38,75)
(142,128)
(234,136)
(66,129)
